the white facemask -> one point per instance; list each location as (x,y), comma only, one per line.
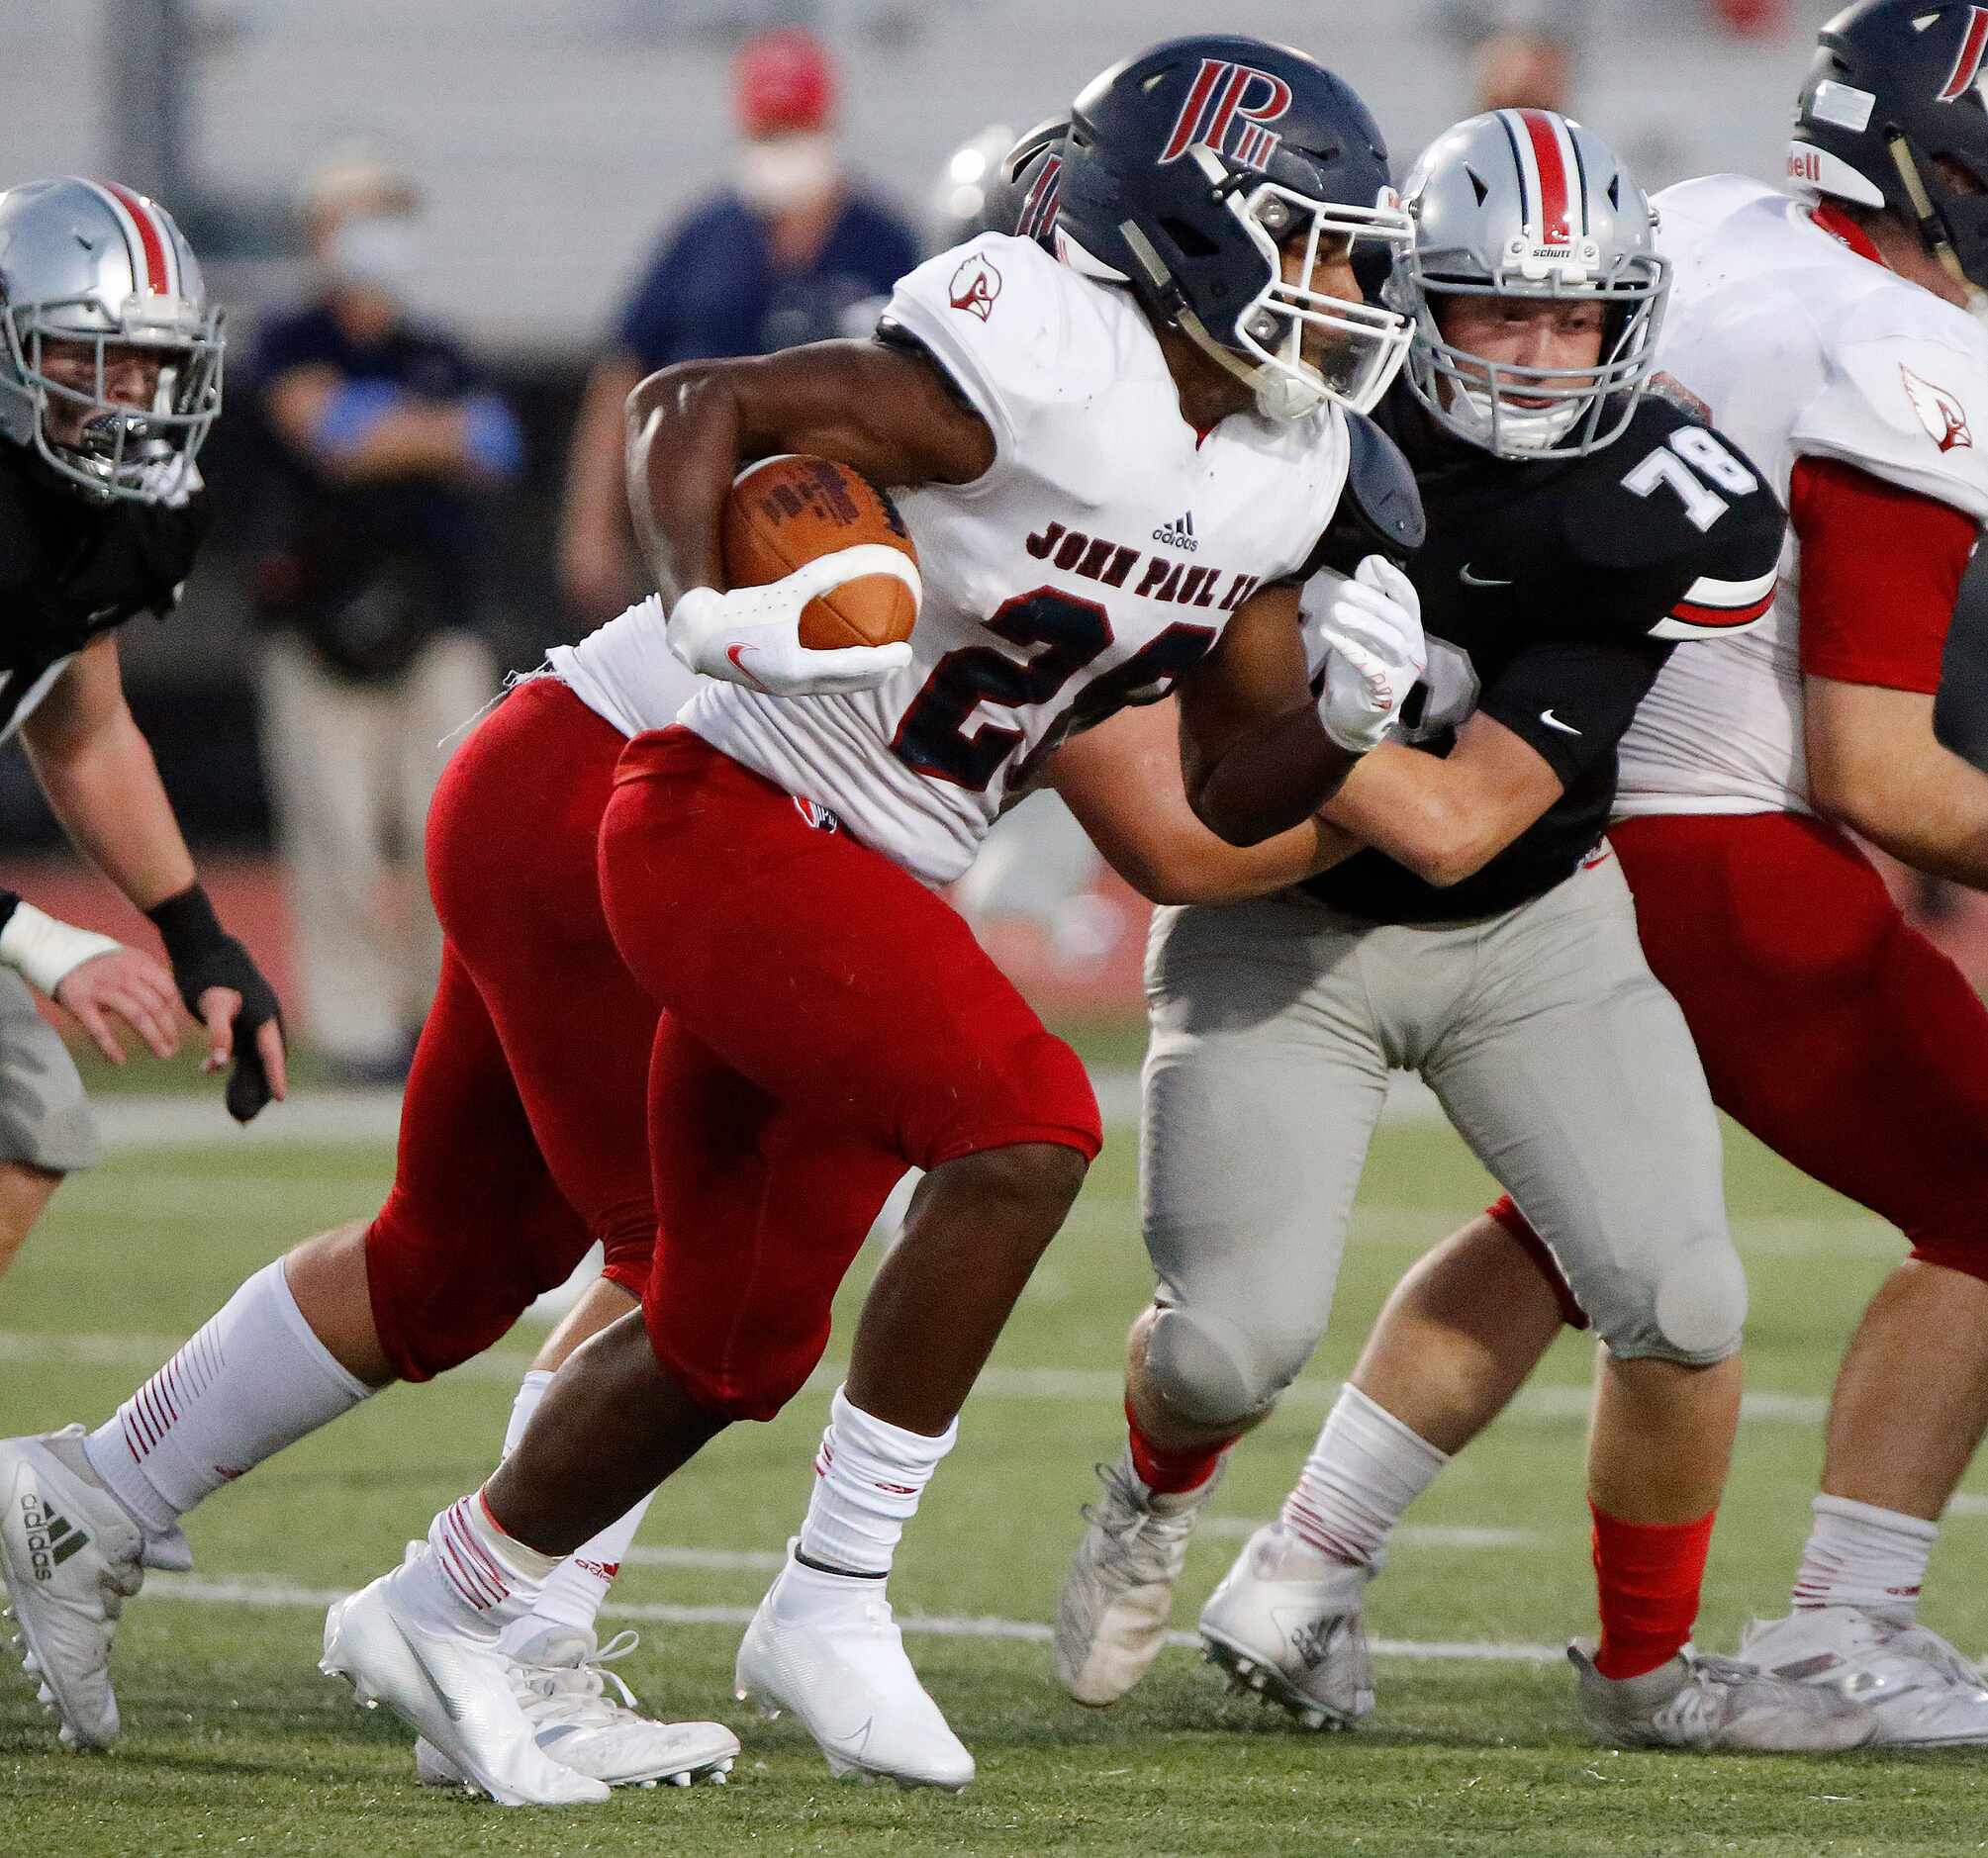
(778,173)
(378,252)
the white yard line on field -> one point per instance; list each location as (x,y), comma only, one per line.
(267,1592)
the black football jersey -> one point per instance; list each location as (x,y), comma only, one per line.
(71,567)
(1551,594)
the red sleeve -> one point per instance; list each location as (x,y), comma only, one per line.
(1880,570)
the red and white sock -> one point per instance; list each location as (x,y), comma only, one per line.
(574,1591)
(868,1478)
(1167,1473)
(1858,1555)
(1647,1577)
(1364,1472)
(492,1578)
(254,1379)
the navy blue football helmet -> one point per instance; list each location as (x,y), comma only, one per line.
(1893,117)
(1185,173)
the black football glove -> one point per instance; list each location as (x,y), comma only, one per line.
(204,955)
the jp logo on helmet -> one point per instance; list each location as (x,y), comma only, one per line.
(1228,99)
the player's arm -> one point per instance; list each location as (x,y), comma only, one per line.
(1554,716)
(1258,754)
(885,408)
(1122,780)
(1445,818)
(102,784)
(1882,568)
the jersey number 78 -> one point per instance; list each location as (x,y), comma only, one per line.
(1691,455)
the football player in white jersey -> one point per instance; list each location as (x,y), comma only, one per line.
(1051,424)
(1835,332)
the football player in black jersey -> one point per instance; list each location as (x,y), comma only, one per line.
(110,377)
(1459,914)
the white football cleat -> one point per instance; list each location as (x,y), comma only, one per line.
(1705,1703)
(560,1680)
(453,1688)
(71,1557)
(1117,1598)
(1922,1692)
(825,1647)
(1285,1624)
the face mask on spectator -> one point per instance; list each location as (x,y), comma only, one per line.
(777,173)
(377,252)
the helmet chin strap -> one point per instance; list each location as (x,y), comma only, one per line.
(1932,229)
(1278,396)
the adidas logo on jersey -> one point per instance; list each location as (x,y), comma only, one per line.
(51,1540)
(1179,533)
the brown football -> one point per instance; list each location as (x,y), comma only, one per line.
(784,513)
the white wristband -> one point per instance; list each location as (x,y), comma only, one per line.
(47,952)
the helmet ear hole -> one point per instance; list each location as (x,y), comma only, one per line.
(1192,241)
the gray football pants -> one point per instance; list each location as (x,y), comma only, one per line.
(45,1118)
(1554,1051)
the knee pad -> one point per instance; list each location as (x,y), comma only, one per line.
(1691,1310)
(749,1384)
(441,1297)
(1035,1090)
(1215,1373)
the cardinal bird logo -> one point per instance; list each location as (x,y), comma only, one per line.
(975,284)
(1944,416)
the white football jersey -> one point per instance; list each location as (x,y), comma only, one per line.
(1099,557)
(1797,347)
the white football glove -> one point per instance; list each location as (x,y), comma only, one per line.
(1370,630)
(752,636)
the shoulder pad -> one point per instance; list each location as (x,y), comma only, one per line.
(1673,531)
(1380,507)
(1005,319)
(1906,379)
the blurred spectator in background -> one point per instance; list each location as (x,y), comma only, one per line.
(781,256)
(386,456)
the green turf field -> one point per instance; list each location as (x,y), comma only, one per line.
(236,1744)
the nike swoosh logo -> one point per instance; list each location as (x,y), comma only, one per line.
(1551,721)
(1469,578)
(447,1703)
(854,1742)
(733,652)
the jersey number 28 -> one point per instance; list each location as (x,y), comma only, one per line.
(1691,456)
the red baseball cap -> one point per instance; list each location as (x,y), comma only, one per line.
(783,82)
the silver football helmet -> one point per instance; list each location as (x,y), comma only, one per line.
(97,269)
(1524,203)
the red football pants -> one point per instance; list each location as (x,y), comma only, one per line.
(827,1023)
(523,1136)
(1828,1025)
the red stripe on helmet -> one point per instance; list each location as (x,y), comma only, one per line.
(1967,64)
(1555,182)
(158,267)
